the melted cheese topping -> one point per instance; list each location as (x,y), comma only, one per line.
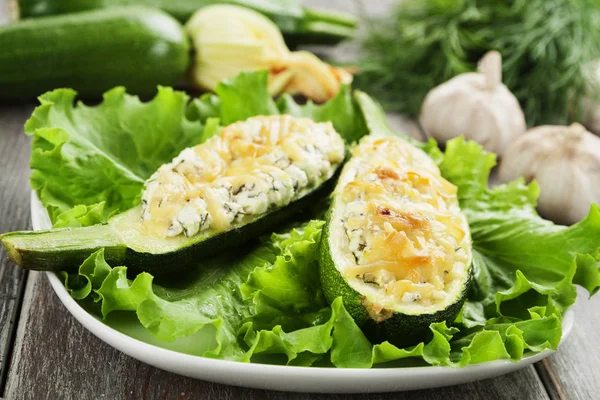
(250,168)
(407,244)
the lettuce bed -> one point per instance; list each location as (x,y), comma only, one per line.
(265,304)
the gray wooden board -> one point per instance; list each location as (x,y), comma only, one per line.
(56,358)
(574,371)
(14,215)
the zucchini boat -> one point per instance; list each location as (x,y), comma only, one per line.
(396,246)
(211,197)
(93,51)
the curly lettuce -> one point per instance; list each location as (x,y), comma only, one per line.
(265,304)
(83,155)
(100,156)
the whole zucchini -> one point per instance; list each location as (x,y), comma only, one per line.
(299,25)
(396,246)
(211,198)
(93,51)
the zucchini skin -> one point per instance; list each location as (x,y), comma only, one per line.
(61,252)
(299,25)
(400,329)
(93,51)
(53,258)
(179,9)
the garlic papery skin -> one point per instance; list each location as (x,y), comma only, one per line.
(476,105)
(230,39)
(591,115)
(591,106)
(565,161)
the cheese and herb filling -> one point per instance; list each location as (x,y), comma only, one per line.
(401,239)
(251,168)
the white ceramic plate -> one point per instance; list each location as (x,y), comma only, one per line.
(274,377)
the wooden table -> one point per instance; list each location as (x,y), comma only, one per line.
(46,354)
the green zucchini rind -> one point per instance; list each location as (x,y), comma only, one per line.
(244,182)
(376,298)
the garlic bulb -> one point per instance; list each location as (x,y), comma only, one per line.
(476,105)
(565,161)
(230,39)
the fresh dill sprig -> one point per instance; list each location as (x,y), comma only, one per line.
(547,47)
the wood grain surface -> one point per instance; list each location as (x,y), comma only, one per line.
(574,371)
(14,215)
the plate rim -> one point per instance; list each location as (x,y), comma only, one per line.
(249,374)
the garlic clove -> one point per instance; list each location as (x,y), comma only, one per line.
(565,161)
(476,105)
(591,115)
(491,68)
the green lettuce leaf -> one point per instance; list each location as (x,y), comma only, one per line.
(84,155)
(209,298)
(341,111)
(525,269)
(265,304)
(377,125)
(246,95)
(520,259)
(80,215)
(235,99)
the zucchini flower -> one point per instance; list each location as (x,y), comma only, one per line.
(230,39)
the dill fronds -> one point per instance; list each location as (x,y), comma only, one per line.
(547,46)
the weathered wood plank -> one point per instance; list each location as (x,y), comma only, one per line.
(574,372)
(56,357)
(14,215)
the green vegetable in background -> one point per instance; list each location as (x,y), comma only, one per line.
(300,25)
(546,45)
(249,41)
(266,304)
(93,51)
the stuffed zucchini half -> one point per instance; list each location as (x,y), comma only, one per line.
(211,197)
(396,246)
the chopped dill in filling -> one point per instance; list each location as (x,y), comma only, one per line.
(249,169)
(405,238)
